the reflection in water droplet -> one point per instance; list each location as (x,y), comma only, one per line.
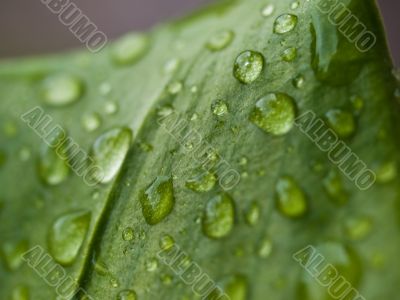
(219,215)
(220,40)
(285,23)
(61,89)
(274,113)
(291,200)
(109,151)
(157,200)
(129,49)
(248,66)
(66,236)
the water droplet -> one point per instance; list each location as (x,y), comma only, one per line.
(109,151)
(91,121)
(172,65)
(298,81)
(146,147)
(166,279)
(285,23)
(128,234)
(295,5)
(289,54)
(267,10)
(274,113)
(175,87)
(66,236)
(219,108)
(357,228)
(101,268)
(194,89)
(158,200)
(333,185)
(12,253)
(114,282)
(110,107)
(20,292)
(342,122)
(105,88)
(220,40)
(152,265)
(129,49)
(127,295)
(53,168)
(61,89)
(248,66)
(386,172)
(24,154)
(291,199)
(358,103)
(166,242)
(235,286)
(202,181)
(252,214)
(218,217)
(265,248)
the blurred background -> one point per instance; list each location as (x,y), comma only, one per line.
(27,27)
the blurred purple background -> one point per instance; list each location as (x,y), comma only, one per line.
(27,27)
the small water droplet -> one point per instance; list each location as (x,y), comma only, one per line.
(252,214)
(386,172)
(333,185)
(342,122)
(175,87)
(66,236)
(110,107)
(248,66)
(105,88)
(127,295)
(267,10)
(61,89)
(274,113)
(109,151)
(220,40)
(358,103)
(219,108)
(152,265)
(101,268)
(146,147)
(285,23)
(298,81)
(218,217)
(295,5)
(129,49)
(91,121)
(21,292)
(166,279)
(158,200)
(114,282)
(291,200)
(12,253)
(194,89)
(166,242)
(194,117)
(265,248)
(357,228)
(289,54)
(171,65)
(235,286)
(128,234)
(24,154)
(202,181)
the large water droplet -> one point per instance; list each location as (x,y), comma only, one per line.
(127,295)
(158,200)
(66,236)
(219,216)
(285,23)
(220,40)
(274,113)
(202,181)
(129,49)
(109,151)
(248,66)
(61,89)
(342,122)
(12,253)
(291,199)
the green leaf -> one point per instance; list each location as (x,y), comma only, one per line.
(235,79)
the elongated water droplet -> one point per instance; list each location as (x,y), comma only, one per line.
(248,66)
(20,292)
(127,295)
(158,200)
(109,151)
(129,49)
(66,236)
(333,185)
(285,23)
(342,122)
(267,10)
(291,199)
(91,121)
(289,54)
(202,181)
(12,253)
(220,40)
(219,216)
(61,89)
(274,113)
